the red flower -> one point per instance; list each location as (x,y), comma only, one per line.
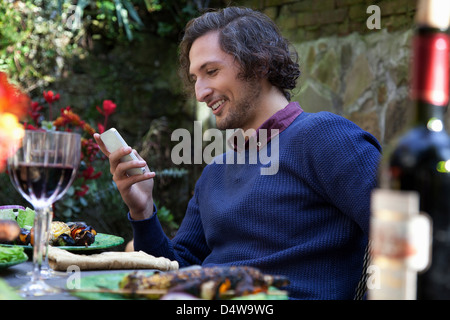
(83,191)
(28,126)
(35,111)
(101,128)
(108,107)
(50,97)
(89,150)
(88,174)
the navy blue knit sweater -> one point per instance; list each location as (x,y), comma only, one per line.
(309,221)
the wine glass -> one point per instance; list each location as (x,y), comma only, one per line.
(42,170)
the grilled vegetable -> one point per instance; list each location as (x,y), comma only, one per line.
(61,234)
(207,283)
(82,234)
(24,237)
(32,236)
(64,239)
(58,228)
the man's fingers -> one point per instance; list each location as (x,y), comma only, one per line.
(101,144)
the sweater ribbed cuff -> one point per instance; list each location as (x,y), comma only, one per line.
(147,233)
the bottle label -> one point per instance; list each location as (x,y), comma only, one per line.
(430,78)
(400,243)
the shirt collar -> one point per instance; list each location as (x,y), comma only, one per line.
(273,126)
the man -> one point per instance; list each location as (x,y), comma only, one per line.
(309,220)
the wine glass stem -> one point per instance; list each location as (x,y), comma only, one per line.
(49,217)
(40,227)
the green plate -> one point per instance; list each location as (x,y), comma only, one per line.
(16,260)
(13,263)
(110,281)
(104,281)
(102,241)
(7,292)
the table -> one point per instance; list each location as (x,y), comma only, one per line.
(10,276)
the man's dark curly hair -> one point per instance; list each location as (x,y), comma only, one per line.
(253,39)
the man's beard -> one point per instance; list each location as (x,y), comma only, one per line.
(240,114)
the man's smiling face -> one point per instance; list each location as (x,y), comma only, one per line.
(216,76)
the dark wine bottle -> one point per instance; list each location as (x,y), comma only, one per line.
(419,165)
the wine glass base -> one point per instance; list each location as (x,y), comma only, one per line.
(52,274)
(37,288)
(45,274)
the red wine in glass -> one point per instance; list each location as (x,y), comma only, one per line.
(42,170)
(40,182)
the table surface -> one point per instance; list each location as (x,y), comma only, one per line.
(14,277)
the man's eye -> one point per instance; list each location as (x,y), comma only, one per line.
(211,72)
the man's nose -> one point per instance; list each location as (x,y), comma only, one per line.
(202,90)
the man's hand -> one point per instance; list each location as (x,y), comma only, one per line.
(136,190)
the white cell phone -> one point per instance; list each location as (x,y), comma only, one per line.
(113,141)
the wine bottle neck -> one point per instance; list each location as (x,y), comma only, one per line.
(430,74)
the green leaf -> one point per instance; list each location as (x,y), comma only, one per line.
(152,5)
(7,214)
(25,218)
(67,213)
(119,8)
(83,202)
(69,202)
(133,14)
(8,254)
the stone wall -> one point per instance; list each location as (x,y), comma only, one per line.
(364,78)
(351,66)
(311,19)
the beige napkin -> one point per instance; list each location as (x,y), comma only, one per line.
(60,260)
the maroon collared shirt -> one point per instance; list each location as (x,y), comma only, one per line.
(274,125)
